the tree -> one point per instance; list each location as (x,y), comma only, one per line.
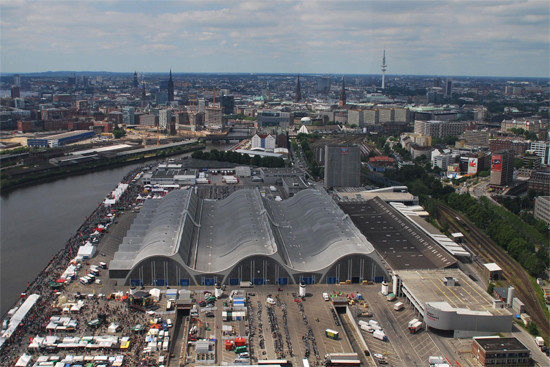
(118,132)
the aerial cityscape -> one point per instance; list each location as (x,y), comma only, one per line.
(285,183)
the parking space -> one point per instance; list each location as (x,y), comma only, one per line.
(402,348)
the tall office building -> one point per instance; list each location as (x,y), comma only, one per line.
(448,88)
(323,84)
(17,80)
(342,94)
(135,79)
(170,88)
(298,96)
(342,166)
(384,66)
(502,168)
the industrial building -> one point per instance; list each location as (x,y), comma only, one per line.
(398,194)
(495,351)
(342,166)
(452,302)
(184,240)
(399,241)
(60,139)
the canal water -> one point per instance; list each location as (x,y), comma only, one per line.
(37,221)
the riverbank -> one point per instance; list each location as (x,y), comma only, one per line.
(8,182)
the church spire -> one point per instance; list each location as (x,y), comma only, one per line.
(170,88)
(342,94)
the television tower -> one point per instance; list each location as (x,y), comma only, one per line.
(298,95)
(384,66)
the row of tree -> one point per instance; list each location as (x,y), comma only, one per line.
(239,158)
(304,140)
(523,241)
(512,235)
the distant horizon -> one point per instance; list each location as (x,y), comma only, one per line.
(3,74)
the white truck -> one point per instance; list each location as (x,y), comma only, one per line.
(539,340)
(379,334)
(414,328)
(326,297)
(398,306)
(367,328)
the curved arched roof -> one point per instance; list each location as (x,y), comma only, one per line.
(156,231)
(315,231)
(231,230)
(308,232)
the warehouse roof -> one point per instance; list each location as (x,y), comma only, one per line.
(396,239)
(309,232)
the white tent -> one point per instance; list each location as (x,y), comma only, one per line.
(155,293)
(86,251)
(23,361)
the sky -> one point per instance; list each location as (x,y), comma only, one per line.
(444,37)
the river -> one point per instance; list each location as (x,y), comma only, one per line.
(37,221)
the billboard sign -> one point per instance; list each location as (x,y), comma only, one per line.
(472,166)
(496,163)
(345,150)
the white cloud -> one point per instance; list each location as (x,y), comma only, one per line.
(335,33)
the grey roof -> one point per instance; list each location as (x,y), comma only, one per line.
(315,232)
(156,231)
(396,239)
(307,232)
(233,229)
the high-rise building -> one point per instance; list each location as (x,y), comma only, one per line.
(135,79)
(170,88)
(15,92)
(323,84)
(165,117)
(342,166)
(542,149)
(298,96)
(213,117)
(342,94)
(384,66)
(448,88)
(228,104)
(128,116)
(502,168)
(17,80)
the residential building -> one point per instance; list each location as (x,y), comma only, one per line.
(263,141)
(541,149)
(542,208)
(518,146)
(342,166)
(540,181)
(479,138)
(440,129)
(533,126)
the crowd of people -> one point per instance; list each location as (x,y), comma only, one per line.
(38,317)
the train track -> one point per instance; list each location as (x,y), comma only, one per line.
(489,250)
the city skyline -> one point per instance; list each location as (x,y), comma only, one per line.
(503,38)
